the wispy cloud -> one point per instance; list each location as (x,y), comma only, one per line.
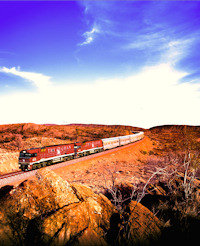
(90,35)
(147,33)
(145,40)
(177,49)
(160,45)
(99,14)
(37,79)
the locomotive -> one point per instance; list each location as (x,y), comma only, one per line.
(34,158)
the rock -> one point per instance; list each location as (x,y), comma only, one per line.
(82,191)
(5,190)
(144,226)
(65,224)
(92,212)
(107,210)
(90,238)
(49,192)
(31,199)
(49,210)
(60,188)
(101,204)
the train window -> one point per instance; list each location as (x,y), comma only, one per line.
(27,155)
(77,147)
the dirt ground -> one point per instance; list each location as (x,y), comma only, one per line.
(123,166)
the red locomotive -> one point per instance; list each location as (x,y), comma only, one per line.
(87,148)
(33,158)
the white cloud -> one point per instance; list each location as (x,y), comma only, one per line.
(168,50)
(39,80)
(152,97)
(177,49)
(145,41)
(90,35)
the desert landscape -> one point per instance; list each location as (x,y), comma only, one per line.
(140,194)
(99,128)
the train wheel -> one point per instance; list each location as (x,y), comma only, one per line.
(44,164)
(49,163)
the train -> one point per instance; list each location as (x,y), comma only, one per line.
(34,158)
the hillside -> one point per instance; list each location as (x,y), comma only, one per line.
(175,138)
(15,137)
(18,136)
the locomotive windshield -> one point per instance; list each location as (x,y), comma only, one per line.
(27,155)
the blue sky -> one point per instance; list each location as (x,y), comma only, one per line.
(106,62)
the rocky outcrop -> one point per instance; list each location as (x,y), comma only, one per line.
(144,225)
(50,211)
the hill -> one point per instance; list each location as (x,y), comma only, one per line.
(15,137)
(175,138)
(21,136)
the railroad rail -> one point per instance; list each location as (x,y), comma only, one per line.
(7,175)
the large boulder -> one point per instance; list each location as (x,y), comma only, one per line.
(144,226)
(49,210)
(35,197)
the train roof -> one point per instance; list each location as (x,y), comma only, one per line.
(47,146)
(109,138)
(113,138)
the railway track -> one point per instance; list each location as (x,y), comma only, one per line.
(10,178)
(7,175)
